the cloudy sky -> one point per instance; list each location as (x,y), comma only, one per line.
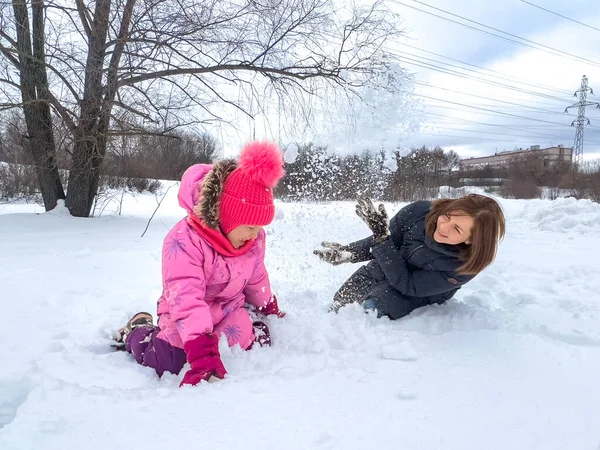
(487,76)
(482,93)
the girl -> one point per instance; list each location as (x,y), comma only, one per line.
(428,252)
(212,266)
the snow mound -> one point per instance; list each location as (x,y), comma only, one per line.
(60,209)
(513,359)
(563,214)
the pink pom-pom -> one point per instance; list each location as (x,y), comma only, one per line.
(262,162)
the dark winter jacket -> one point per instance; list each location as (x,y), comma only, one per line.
(413,263)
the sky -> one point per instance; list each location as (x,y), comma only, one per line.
(477,93)
(522,102)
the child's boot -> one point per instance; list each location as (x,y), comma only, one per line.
(261,333)
(141,319)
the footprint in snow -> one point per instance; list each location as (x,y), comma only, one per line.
(326,439)
(406,394)
(402,351)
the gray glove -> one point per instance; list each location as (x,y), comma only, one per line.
(334,253)
(376,219)
(337,254)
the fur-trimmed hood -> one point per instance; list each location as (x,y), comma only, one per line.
(201,187)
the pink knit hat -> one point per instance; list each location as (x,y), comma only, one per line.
(247,197)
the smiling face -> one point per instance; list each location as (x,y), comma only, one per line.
(454,228)
(240,235)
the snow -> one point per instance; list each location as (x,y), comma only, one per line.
(581,216)
(290,154)
(511,362)
(385,118)
(391,161)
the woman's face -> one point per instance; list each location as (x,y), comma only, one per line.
(238,236)
(453,228)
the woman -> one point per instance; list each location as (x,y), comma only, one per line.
(429,250)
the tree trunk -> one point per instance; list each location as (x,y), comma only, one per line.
(44,155)
(34,93)
(83,178)
(89,136)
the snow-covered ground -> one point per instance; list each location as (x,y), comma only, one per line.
(513,362)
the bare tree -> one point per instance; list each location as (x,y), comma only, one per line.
(97,59)
(525,173)
(421,173)
(26,51)
(13,141)
(451,161)
(158,156)
(584,183)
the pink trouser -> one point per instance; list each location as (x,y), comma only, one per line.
(151,351)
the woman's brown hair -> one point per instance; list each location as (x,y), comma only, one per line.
(488,230)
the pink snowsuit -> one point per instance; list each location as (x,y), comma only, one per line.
(204,291)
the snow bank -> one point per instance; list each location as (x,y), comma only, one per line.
(563,215)
(511,362)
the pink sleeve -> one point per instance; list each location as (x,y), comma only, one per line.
(258,289)
(184,286)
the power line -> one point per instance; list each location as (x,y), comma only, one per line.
(496,113)
(503,126)
(516,127)
(467,75)
(560,15)
(541,47)
(468,137)
(550,49)
(436,68)
(500,133)
(508,127)
(488,110)
(492,82)
(495,134)
(499,75)
(489,98)
(491,112)
(424,64)
(471,137)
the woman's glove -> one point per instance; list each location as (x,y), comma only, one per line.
(376,219)
(335,253)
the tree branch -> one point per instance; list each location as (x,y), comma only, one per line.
(286,72)
(8,54)
(10,40)
(84,15)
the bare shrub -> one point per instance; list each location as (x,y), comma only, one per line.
(584,183)
(18,181)
(522,188)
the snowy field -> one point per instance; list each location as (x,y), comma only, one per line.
(512,362)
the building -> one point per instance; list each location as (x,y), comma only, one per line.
(550,155)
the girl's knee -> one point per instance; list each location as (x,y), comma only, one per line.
(137,342)
(237,327)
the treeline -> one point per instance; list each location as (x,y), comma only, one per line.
(318,175)
(135,161)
